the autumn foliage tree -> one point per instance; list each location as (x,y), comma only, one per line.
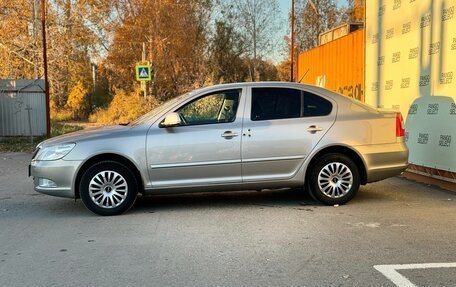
(75,32)
(19,57)
(175,35)
(77,102)
(93,47)
(283,70)
(124,108)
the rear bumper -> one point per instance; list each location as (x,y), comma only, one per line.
(380,174)
(385,160)
(61,172)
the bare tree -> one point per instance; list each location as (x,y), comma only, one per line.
(353,11)
(225,55)
(258,21)
(313,18)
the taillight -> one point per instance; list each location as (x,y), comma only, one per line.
(400,131)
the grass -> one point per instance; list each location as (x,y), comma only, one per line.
(23,144)
(59,128)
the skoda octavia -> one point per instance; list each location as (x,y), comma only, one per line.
(245,136)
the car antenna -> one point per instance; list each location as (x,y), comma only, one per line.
(303,76)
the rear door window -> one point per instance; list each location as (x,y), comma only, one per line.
(275,103)
(286,103)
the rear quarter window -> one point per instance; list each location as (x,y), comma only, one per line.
(316,106)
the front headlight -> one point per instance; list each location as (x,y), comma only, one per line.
(54,152)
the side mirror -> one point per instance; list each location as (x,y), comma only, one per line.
(171,120)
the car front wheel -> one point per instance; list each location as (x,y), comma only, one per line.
(108,188)
(334,179)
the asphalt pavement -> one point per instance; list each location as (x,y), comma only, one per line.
(268,238)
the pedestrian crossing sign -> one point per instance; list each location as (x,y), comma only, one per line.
(143,73)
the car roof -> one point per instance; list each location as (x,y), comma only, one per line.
(275,84)
(258,84)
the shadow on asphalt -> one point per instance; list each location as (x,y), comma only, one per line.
(282,198)
(238,199)
(368,196)
(286,198)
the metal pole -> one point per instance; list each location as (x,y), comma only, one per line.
(46,81)
(94,79)
(292,41)
(28,108)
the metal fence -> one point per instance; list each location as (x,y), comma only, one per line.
(22,108)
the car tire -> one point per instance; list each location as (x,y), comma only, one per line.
(333,179)
(108,188)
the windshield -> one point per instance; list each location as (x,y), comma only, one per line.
(148,116)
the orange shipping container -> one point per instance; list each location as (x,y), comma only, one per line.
(337,65)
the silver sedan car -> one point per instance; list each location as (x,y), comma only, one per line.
(246,136)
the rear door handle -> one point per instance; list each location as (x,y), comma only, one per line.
(229,135)
(313,129)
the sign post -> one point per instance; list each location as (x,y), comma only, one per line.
(144,73)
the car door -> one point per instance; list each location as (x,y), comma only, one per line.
(205,148)
(281,127)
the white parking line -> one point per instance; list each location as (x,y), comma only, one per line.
(390,271)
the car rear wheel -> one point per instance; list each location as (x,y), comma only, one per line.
(108,188)
(334,179)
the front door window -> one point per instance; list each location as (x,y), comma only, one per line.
(219,107)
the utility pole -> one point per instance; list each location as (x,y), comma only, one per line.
(94,76)
(292,41)
(143,59)
(46,81)
(35,39)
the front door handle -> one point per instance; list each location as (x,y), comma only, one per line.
(313,129)
(229,135)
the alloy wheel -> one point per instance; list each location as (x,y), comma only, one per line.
(108,189)
(335,180)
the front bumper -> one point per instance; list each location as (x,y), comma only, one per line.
(61,172)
